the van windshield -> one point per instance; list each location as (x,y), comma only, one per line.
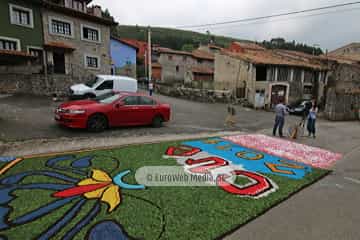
(108,98)
(91,83)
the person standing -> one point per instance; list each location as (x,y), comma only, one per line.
(280,111)
(311,124)
(230,119)
(151,88)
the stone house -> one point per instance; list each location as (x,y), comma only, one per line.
(263,77)
(350,51)
(76,38)
(343,89)
(190,69)
(47,45)
(21,39)
(123,58)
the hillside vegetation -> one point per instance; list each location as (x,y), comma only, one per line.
(172,38)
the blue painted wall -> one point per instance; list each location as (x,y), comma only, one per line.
(123,57)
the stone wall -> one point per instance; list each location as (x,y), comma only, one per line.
(343,95)
(37,84)
(342,106)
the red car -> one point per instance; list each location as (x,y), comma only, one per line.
(111,110)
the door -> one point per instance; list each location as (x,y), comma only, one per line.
(104,87)
(147,109)
(278,93)
(127,113)
(260,99)
(59,62)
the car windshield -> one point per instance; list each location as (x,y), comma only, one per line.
(91,83)
(108,98)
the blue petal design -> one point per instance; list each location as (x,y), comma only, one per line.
(82,162)
(118,181)
(108,230)
(31,216)
(16,178)
(63,221)
(83,222)
(7,159)
(52,162)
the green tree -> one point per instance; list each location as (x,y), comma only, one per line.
(188,47)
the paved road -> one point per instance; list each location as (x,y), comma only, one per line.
(327,210)
(28,117)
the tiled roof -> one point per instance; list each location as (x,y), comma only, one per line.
(15,53)
(202,70)
(75,13)
(342,59)
(171,51)
(249,46)
(126,42)
(203,55)
(59,45)
(269,57)
(156,65)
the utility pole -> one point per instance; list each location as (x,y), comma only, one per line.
(149,55)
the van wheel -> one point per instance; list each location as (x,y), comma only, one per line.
(157,121)
(89,96)
(97,123)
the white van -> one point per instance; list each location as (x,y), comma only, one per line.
(103,84)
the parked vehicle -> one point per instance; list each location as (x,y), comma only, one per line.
(299,107)
(111,110)
(103,84)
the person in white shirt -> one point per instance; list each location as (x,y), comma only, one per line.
(151,88)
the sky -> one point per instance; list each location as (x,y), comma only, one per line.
(329,31)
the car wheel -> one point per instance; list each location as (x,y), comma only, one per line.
(97,123)
(157,122)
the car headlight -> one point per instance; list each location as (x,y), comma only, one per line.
(77,111)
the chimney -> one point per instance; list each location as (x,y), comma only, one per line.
(95,10)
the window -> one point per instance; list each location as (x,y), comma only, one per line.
(38,53)
(9,44)
(177,68)
(61,27)
(184,58)
(170,58)
(261,73)
(283,74)
(90,33)
(21,16)
(146,101)
(92,62)
(308,89)
(107,85)
(131,100)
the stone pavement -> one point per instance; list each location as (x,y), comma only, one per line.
(328,209)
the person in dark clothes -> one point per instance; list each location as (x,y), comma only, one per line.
(311,124)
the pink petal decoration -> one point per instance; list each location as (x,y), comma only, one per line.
(312,156)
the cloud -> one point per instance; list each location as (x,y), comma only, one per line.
(330,31)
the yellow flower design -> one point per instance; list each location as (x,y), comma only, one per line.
(109,194)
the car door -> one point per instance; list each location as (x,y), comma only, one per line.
(147,109)
(126,112)
(105,87)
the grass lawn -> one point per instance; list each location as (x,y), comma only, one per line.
(153,213)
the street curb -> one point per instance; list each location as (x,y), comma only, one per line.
(33,148)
